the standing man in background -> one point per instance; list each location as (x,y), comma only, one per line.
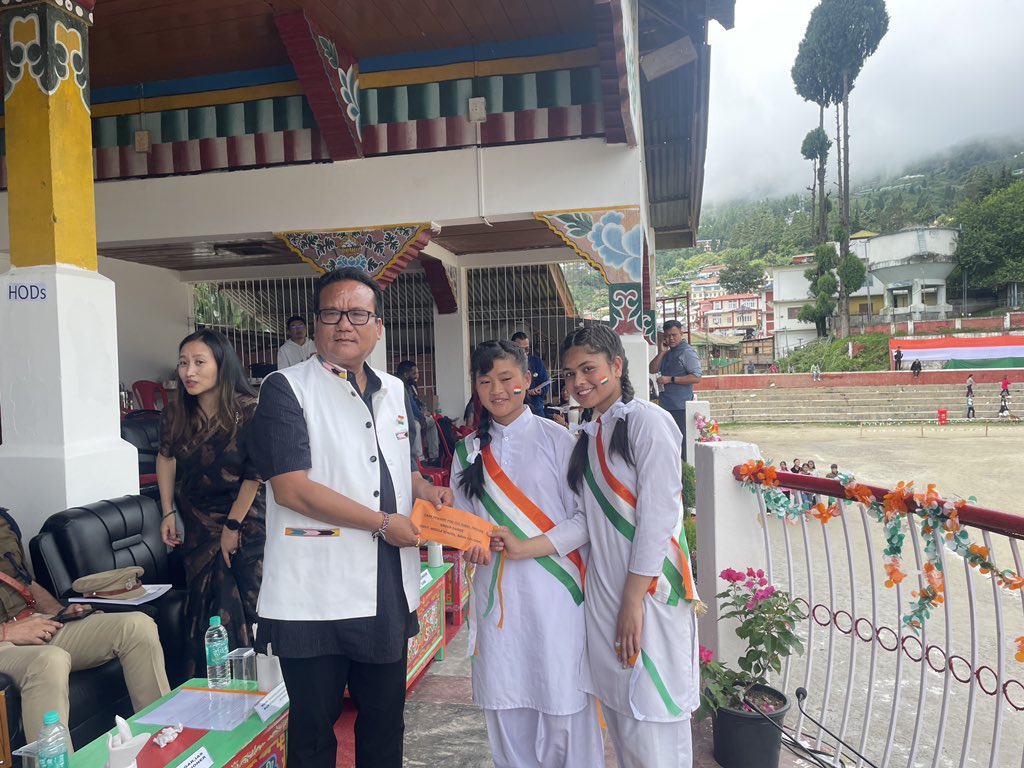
(299,347)
(538,392)
(678,369)
(422,431)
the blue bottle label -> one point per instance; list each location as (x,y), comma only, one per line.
(216,653)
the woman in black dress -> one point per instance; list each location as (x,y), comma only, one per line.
(220,498)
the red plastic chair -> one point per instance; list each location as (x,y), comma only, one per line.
(147,392)
(441,476)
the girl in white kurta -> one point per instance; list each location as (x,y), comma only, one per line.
(526,618)
(641,661)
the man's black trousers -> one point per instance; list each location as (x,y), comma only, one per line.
(316,688)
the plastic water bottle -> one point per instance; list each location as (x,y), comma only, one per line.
(218,672)
(53,742)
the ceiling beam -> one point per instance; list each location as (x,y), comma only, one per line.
(329,77)
(611,28)
(440,285)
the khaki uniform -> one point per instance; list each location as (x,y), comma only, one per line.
(41,671)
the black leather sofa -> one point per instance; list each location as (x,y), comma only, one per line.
(100,537)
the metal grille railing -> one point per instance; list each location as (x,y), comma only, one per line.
(252,314)
(540,300)
(950,695)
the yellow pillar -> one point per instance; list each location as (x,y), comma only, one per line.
(52,210)
(58,406)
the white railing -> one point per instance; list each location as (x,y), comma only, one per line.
(946,694)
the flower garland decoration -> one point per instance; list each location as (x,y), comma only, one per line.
(707,429)
(939,523)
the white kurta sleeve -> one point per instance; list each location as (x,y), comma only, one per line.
(657,449)
(571,533)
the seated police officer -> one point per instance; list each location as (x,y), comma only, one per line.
(42,642)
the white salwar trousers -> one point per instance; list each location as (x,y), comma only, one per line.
(648,744)
(527,738)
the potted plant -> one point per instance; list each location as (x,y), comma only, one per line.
(768,618)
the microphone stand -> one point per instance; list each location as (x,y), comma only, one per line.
(801,694)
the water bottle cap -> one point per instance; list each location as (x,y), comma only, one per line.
(215,621)
(51,718)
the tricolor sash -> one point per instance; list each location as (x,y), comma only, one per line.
(509,506)
(619,505)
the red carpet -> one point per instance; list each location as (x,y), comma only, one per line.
(346,742)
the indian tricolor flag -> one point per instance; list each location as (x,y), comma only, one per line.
(964,352)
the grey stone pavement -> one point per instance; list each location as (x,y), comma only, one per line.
(444,728)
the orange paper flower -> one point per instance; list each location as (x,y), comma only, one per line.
(758,472)
(824,513)
(895,501)
(929,497)
(859,493)
(981,552)
(1019,656)
(935,579)
(1013,581)
(893,573)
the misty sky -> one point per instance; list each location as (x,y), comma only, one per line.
(947,71)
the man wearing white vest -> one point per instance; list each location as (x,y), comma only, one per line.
(341,567)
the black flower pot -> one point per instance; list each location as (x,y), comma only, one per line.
(745,739)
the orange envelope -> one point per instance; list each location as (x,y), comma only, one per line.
(451,527)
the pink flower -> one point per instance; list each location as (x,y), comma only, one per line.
(732,576)
(762,581)
(760,573)
(749,584)
(705,655)
(750,572)
(751,603)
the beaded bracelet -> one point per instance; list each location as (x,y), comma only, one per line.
(382,532)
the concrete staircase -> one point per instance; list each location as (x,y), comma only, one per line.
(825,404)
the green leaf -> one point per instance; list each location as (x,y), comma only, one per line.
(578,225)
(330,51)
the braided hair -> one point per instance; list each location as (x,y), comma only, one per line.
(600,339)
(471,479)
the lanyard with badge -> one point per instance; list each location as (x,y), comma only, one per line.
(20,586)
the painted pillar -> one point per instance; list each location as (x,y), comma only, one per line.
(59,402)
(729,535)
(452,351)
(693,407)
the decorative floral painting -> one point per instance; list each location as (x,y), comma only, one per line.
(610,240)
(382,252)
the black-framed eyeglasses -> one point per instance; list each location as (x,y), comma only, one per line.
(355,316)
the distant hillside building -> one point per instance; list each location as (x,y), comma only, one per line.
(705,288)
(735,314)
(907,273)
(790,292)
(912,266)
